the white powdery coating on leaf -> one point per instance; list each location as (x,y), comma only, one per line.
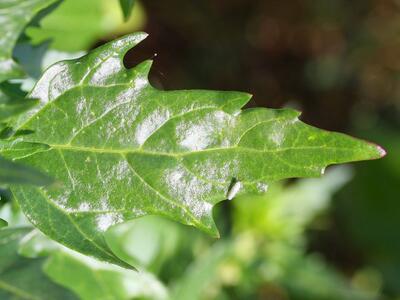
(149,125)
(104,221)
(262,187)
(81,104)
(201,135)
(104,203)
(106,70)
(58,77)
(277,134)
(62,200)
(277,138)
(190,190)
(84,206)
(121,170)
(196,137)
(213,171)
(140,83)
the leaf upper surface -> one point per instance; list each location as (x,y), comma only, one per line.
(123,149)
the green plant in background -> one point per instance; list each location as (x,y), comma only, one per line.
(76,25)
(119,149)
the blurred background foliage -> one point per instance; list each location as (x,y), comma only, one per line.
(336,237)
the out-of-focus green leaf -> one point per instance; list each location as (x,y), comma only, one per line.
(126,6)
(34,60)
(15,173)
(264,256)
(12,101)
(11,213)
(145,242)
(35,245)
(263,259)
(285,211)
(306,277)
(30,58)
(14,16)
(91,279)
(123,149)
(76,25)
(203,272)
(3,223)
(22,278)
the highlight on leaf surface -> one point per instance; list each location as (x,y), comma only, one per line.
(123,149)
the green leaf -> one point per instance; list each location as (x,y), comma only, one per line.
(106,281)
(22,278)
(123,149)
(203,272)
(145,242)
(3,223)
(15,173)
(277,215)
(14,16)
(11,213)
(99,18)
(127,6)
(102,280)
(36,244)
(12,101)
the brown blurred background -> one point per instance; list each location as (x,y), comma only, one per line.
(331,59)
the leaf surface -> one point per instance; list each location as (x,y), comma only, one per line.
(14,16)
(123,149)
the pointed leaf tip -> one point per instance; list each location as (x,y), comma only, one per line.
(382,151)
(372,151)
(124,149)
(127,6)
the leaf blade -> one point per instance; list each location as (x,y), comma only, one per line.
(123,149)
